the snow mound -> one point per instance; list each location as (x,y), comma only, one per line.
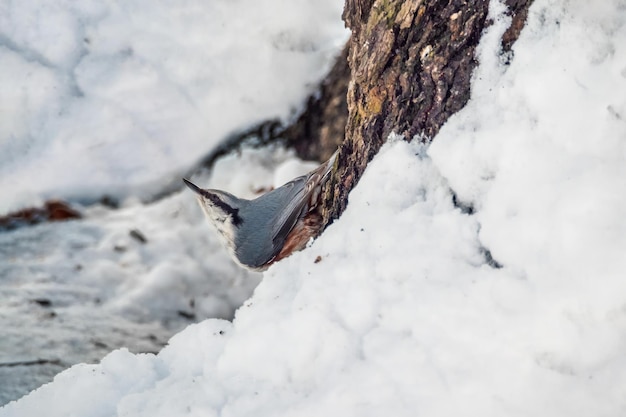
(312,326)
(396,309)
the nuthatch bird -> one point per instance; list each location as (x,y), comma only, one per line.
(259,232)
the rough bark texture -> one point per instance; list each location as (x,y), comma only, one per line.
(411,64)
(518,10)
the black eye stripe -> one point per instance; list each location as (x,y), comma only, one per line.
(231,211)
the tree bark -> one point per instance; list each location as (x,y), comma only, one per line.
(411,64)
(406,69)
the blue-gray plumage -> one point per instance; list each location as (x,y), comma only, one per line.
(261,231)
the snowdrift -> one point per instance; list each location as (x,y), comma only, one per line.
(403,313)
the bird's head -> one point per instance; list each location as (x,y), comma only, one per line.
(221,208)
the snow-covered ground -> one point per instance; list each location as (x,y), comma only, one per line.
(74,291)
(118,99)
(395,310)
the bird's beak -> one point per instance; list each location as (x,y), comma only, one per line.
(193,187)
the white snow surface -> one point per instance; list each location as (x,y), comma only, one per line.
(132,277)
(120,97)
(395,309)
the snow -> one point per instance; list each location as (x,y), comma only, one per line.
(121,97)
(118,99)
(395,309)
(107,289)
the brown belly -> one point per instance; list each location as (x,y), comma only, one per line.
(302,232)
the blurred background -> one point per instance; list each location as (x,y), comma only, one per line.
(104,106)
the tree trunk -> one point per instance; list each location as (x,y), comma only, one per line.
(410,69)
(406,69)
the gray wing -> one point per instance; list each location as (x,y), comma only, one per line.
(274,214)
(281,208)
(294,209)
(297,204)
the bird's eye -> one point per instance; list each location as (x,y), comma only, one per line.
(216,200)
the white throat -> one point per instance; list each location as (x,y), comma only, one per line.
(223,223)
